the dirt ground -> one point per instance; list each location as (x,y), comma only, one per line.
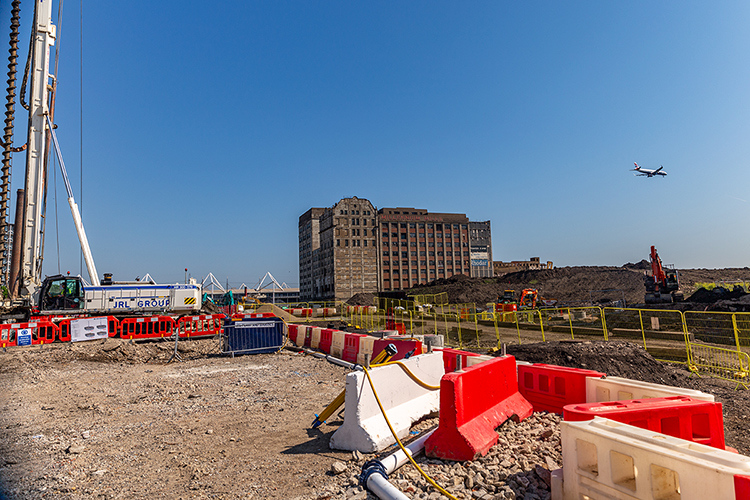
(573,286)
(113,420)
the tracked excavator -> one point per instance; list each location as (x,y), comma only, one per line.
(24,292)
(663,284)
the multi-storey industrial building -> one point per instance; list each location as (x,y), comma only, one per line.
(338,251)
(351,248)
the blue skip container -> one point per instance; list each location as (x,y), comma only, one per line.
(253,336)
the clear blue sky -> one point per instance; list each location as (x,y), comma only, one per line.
(209,127)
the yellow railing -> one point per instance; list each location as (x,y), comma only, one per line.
(709,343)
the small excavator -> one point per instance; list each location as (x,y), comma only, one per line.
(663,285)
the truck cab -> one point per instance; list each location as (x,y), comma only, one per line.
(61,293)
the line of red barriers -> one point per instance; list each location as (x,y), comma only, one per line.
(45,331)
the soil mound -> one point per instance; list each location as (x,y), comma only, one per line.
(643,265)
(362,299)
(615,358)
(567,285)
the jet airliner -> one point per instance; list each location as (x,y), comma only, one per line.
(647,172)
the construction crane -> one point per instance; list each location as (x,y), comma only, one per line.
(25,292)
(663,285)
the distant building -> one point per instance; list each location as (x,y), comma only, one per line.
(352,247)
(418,247)
(480,236)
(533,263)
(338,250)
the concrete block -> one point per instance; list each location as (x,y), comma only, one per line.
(364,428)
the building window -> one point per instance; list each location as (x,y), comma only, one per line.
(394,253)
(346,243)
(364,222)
(403,224)
(385,254)
(422,253)
(422,244)
(394,235)
(365,242)
(404,254)
(413,244)
(338,243)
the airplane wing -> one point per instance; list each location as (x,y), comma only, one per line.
(658,169)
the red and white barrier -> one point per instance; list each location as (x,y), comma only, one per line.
(678,416)
(550,387)
(599,389)
(404,400)
(200,326)
(474,402)
(604,459)
(147,328)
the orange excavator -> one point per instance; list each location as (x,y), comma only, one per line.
(663,285)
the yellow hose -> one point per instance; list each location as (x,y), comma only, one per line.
(401,445)
(411,375)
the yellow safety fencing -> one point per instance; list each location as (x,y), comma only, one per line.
(430,299)
(715,344)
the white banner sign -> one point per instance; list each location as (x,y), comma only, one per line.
(88,329)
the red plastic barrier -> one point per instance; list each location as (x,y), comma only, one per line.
(147,328)
(550,387)
(113,328)
(678,416)
(326,339)
(7,336)
(200,326)
(741,487)
(449,358)
(404,347)
(42,332)
(474,402)
(292,332)
(351,347)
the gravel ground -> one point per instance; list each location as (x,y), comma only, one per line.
(111,419)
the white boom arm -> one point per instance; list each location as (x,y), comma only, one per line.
(76,213)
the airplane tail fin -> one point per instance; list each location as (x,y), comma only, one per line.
(636,166)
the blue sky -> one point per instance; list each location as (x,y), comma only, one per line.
(208,128)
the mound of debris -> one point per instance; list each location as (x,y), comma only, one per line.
(615,358)
(362,299)
(706,296)
(643,265)
(567,285)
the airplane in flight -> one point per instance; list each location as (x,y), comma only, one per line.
(647,172)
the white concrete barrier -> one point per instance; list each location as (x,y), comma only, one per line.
(404,400)
(337,344)
(366,345)
(604,459)
(475,360)
(617,389)
(301,334)
(315,337)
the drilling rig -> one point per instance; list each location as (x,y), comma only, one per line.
(24,292)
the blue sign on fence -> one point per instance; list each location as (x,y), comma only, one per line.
(24,336)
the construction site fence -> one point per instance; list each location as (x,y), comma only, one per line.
(715,344)
(729,285)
